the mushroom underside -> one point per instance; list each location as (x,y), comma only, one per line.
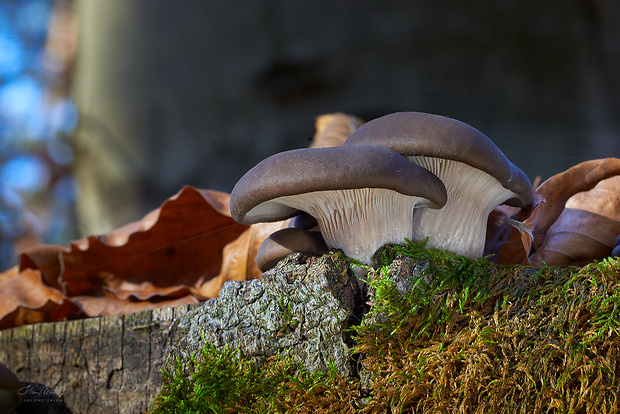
(460,226)
(358,221)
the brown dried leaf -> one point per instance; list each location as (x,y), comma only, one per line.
(509,232)
(240,258)
(45,259)
(182,248)
(555,191)
(25,299)
(164,259)
(110,305)
(333,129)
(125,290)
(50,311)
(559,188)
(586,229)
(24,289)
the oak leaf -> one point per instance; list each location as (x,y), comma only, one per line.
(182,248)
(510,232)
(24,298)
(559,188)
(239,258)
(111,305)
(585,230)
(333,129)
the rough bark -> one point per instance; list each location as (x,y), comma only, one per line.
(98,365)
(112,364)
(302,307)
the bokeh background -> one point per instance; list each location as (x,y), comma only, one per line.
(37,118)
(107,108)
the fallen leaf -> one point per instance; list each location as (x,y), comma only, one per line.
(510,232)
(333,129)
(25,299)
(586,229)
(240,258)
(182,248)
(45,259)
(110,305)
(50,311)
(559,188)
(24,288)
(125,290)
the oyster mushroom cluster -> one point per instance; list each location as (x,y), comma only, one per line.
(407,175)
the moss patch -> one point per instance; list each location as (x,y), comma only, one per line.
(477,337)
(221,382)
(466,336)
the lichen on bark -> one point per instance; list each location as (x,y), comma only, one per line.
(301,307)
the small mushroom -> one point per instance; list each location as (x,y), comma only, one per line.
(283,242)
(477,175)
(10,397)
(616,251)
(361,196)
(303,221)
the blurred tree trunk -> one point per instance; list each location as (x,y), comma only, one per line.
(595,19)
(107,91)
(197,92)
(166,96)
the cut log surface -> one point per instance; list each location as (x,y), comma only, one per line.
(98,365)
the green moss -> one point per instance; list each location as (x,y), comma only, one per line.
(469,336)
(221,381)
(477,337)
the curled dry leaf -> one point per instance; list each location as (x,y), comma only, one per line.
(333,129)
(161,260)
(506,243)
(182,248)
(510,232)
(111,305)
(125,290)
(45,259)
(586,229)
(239,257)
(25,299)
(559,188)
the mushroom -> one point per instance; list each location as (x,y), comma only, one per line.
(10,396)
(304,221)
(477,175)
(361,196)
(283,242)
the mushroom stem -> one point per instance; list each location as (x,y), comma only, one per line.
(359,221)
(460,226)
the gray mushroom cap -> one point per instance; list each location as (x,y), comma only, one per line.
(418,133)
(283,242)
(255,196)
(361,196)
(303,221)
(477,175)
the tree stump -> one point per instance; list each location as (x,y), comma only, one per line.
(97,365)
